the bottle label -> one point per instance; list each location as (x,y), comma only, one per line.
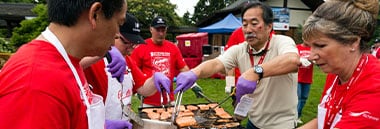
(243,106)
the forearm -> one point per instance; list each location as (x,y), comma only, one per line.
(89,60)
(184,69)
(280,65)
(231,72)
(148,88)
(208,68)
(313,124)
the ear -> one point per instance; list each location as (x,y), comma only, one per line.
(270,27)
(94,13)
(151,29)
(356,44)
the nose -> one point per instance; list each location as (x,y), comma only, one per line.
(161,33)
(313,57)
(249,28)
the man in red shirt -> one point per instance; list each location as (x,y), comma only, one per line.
(42,85)
(305,78)
(117,94)
(159,55)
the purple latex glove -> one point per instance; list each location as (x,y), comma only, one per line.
(185,80)
(161,81)
(118,124)
(243,87)
(118,65)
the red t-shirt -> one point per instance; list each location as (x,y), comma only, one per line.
(165,58)
(96,76)
(360,107)
(305,74)
(236,37)
(38,90)
(378,53)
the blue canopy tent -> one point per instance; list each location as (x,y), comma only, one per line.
(227,25)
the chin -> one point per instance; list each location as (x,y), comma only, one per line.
(325,69)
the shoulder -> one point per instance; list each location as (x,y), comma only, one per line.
(169,43)
(283,44)
(237,49)
(371,72)
(282,39)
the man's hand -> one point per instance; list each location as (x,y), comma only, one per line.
(243,87)
(118,124)
(185,80)
(117,65)
(161,81)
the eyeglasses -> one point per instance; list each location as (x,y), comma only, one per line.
(125,41)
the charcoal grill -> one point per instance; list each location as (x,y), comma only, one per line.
(205,120)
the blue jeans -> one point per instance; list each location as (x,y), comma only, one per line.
(250,125)
(302,92)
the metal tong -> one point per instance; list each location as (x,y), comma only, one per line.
(205,97)
(177,105)
(162,97)
(232,94)
(209,112)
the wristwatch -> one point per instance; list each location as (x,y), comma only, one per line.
(258,70)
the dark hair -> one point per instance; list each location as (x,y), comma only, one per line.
(267,11)
(67,12)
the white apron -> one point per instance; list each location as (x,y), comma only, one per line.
(95,111)
(322,111)
(118,94)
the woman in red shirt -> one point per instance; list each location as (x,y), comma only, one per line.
(338,33)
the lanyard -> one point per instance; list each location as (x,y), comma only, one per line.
(334,101)
(48,35)
(251,57)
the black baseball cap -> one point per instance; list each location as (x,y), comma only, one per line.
(131,29)
(377,40)
(158,22)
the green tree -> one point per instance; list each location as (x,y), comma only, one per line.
(146,10)
(205,8)
(23,1)
(187,19)
(30,29)
(17,1)
(5,46)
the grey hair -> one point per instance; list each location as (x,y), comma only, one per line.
(344,21)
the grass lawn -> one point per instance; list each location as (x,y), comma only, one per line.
(214,89)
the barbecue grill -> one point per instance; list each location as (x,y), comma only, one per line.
(205,119)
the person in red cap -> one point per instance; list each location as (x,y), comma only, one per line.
(159,55)
(119,94)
